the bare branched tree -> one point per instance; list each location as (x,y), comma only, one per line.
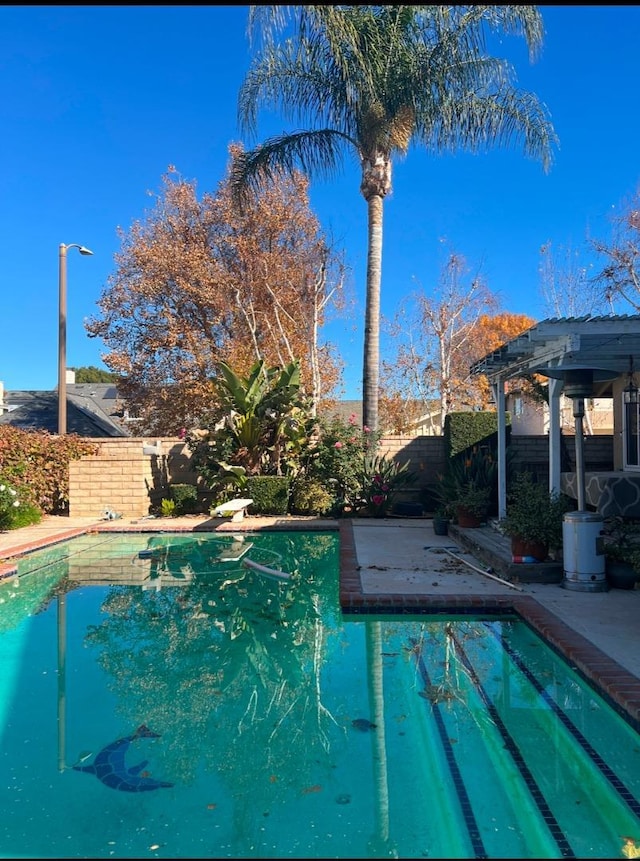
(619,278)
(566,283)
(436,332)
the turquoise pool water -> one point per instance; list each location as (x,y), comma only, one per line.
(160,698)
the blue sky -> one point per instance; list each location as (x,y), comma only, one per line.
(97,102)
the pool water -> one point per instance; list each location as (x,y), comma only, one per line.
(161,698)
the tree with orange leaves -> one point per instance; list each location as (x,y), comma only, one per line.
(490,333)
(199,282)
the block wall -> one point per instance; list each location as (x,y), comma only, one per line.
(119,478)
(531,453)
(122,478)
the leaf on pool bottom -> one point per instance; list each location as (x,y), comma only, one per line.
(363,724)
(436,693)
(630,849)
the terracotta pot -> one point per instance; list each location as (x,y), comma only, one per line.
(537,550)
(467,519)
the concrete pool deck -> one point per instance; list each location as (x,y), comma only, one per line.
(399,565)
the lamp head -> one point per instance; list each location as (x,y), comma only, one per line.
(84,250)
(630,392)
(577,380)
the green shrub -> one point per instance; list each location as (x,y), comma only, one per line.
(167,508)
(473,498)
(464,431)
(26,515)
(270,494)
(533,513)
(14,511)
(478,467)
(335,459)
(36,464)
(185,497)
(310,496)
(622,541)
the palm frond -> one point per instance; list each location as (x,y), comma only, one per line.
(316,153)
(479,122)
(381,76)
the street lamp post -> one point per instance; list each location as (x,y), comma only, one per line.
(62,334)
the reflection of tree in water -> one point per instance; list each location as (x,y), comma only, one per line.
(230,676)
(449,675)
(380,844)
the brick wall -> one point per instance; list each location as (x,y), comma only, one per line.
(122,478)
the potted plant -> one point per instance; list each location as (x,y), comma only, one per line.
(534,518)
(466,487)
(622,554)
(471,504)
(441,520)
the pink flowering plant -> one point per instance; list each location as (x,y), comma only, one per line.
(344,461)
(335,460)
(382,478)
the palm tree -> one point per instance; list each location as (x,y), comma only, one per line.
(373,80)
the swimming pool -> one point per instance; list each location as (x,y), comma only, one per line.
(162,698)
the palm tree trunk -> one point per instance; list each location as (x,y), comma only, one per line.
(371,364)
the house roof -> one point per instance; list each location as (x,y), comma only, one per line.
(344,410)
(603,342)
(93,410)
(350,410)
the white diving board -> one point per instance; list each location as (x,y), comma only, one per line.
(234,508)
